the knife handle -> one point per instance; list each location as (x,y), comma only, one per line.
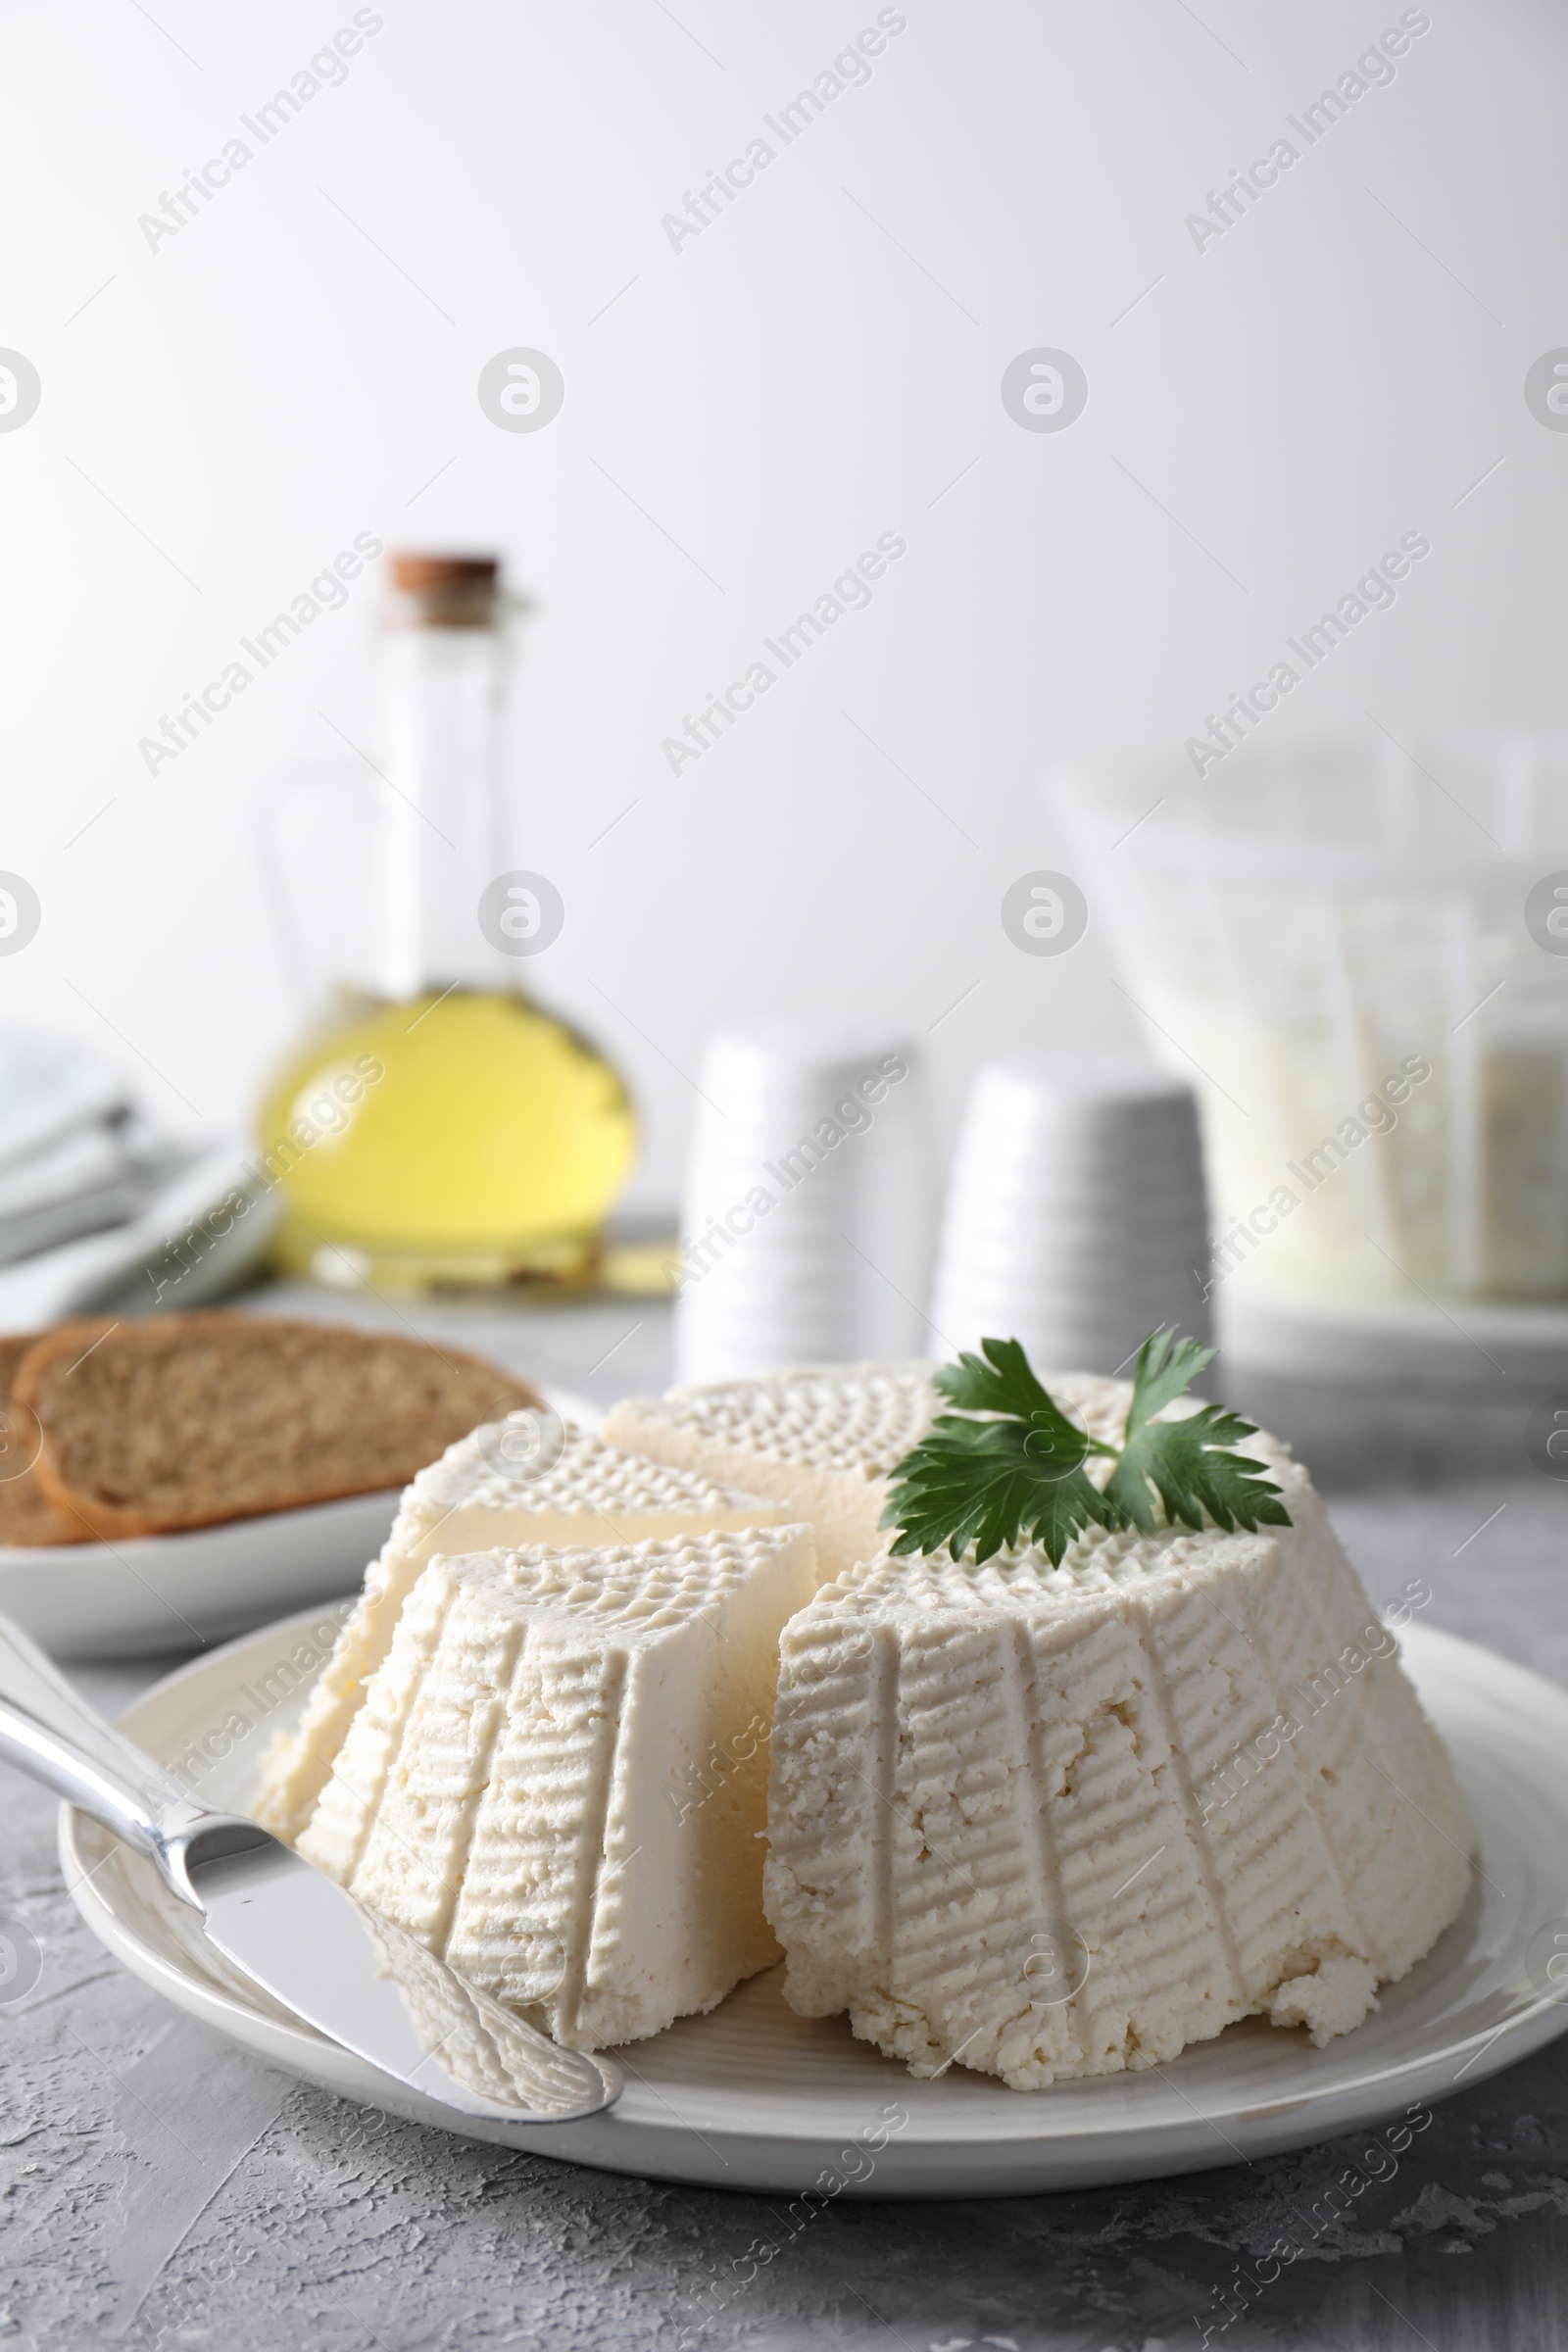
(49,1731)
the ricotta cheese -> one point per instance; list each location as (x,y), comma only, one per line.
(820,1441)
(469,1501)
(1049,1823)
(556,1780)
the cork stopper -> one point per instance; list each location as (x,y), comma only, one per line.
(414,571)
(443,592)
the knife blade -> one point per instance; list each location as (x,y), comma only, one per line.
(442,2049)
(375,1990)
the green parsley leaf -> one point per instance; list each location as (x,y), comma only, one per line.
(1190,1462)
(1008,1466)
(1004,1383)
(980,1482)
(983,1482)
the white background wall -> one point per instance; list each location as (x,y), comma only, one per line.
(747,415)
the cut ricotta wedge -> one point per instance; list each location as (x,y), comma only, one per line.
(820,1440)
(1054,1822)
(557,1779)
(471,1500)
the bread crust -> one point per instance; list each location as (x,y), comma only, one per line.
(187,1421)
(29,1520)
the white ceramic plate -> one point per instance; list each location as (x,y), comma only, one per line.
(755,2098)
(149,1594)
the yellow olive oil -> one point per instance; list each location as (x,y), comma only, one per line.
(467,1138)
(441,1127)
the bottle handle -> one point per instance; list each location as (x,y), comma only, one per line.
(295,853)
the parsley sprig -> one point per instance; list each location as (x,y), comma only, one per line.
(1019,1471)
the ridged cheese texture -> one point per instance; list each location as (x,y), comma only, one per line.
(557,1779)
(586,1494)
(819,1439)
(1048,1824)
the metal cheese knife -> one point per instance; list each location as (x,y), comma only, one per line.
(302,1938)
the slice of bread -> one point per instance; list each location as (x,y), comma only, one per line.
(188,1420)
(26,1515)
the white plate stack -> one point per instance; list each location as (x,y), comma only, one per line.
(810,1204)
(1076,1221)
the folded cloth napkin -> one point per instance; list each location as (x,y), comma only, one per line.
(97,1210)
(50,1089)
(103,1174)
(203,1231)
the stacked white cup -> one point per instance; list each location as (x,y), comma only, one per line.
(810,1203)
(1077,1221)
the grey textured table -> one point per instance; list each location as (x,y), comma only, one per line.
(162,2188)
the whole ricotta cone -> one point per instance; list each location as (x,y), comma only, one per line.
(1055,1823)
